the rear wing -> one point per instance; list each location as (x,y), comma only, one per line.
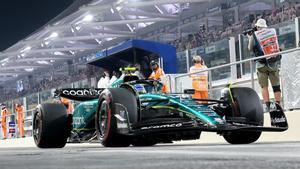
(79,94)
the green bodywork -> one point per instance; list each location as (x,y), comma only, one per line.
(84,113)
(186,105)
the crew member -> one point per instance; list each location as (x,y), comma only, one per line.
(157,74)
(4,114)
(264,41)
(113,78)
(199,80)
(104,80)
(138,71)
(20,119)
(67,103)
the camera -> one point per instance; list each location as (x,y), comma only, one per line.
(249,31)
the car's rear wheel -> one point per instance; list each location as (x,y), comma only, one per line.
(246,105)
(50,126)
(106,121)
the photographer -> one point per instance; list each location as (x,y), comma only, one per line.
(264,41)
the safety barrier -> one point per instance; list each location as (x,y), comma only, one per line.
(12,125)
(175,86)
(179,85)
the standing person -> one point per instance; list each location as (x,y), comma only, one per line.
(157,74)
(20,119)
(104,80)
(67,103)
(138,71)
(264,41)
(199,80)
(113,78)
(4,114)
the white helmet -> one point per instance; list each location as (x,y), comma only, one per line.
(261,23)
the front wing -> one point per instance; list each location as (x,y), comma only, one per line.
(278,124)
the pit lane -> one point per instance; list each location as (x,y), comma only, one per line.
(273,150)
(173,156)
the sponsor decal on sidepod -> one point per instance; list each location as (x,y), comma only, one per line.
(173,125)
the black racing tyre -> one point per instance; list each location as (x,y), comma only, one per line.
(50,126)
(106,122)
(248,105)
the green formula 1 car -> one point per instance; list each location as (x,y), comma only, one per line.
(136,112)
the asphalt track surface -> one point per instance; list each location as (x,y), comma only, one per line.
(284,155)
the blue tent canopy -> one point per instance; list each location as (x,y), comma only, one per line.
(136,51)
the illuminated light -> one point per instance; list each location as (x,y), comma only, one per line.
(88,18)
(47,42)
(98,41)
(28,48)
(43,62)
(4,60)
(53,35)
(112,10)
(109,39)
(29,69)
(118,8)
(70,41)
(129,27)
(77,28)
(58,53)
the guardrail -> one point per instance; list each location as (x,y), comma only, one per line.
(12,118)
(252,71)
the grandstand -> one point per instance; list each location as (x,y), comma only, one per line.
(56,55)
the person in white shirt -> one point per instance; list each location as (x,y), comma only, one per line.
(104,80)
(113,78)
(138,71)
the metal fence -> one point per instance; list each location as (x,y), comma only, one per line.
(12,125)
(180,86)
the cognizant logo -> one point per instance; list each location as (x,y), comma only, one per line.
(81,92)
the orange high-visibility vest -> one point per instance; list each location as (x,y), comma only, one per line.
(4,114)
(199,80)
(20,120)
(156,75)
(68,104)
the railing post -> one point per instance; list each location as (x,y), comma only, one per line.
(187,60)
(232,52)
(210,80)
(297,31)
(252,74)
(175,84)
(241,47)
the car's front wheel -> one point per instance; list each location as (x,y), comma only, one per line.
(106,121)
(247,106)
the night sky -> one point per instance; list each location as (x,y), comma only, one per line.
(19,18)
